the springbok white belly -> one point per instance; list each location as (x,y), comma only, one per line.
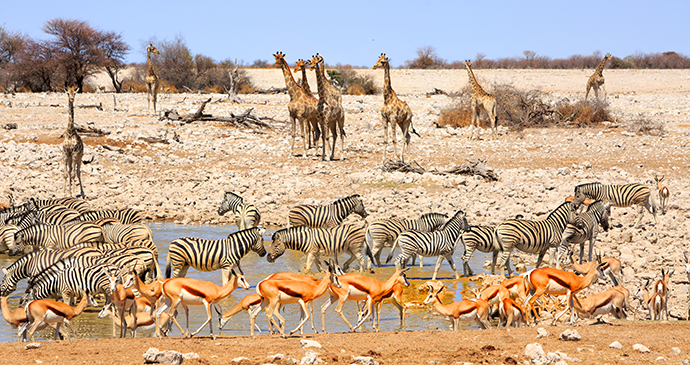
(287,299)
(191,299)
(605,309)
(52,317)
(356,294)
(555,288)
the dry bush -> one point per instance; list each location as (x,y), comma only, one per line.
(518,109)
(131,84)
(246,89)
(356,90)
(646,126)
(347,79)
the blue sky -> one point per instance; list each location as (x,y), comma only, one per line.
(356,32)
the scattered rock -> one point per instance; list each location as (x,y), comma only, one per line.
(310,358)
(616,345)
(570,335)
(542,332)
(190,355)
(240,359)
(309,343)
(366,360)
(675,351)
(534,350)
(275,357)
(660,358)
(32,345)
(154,355)
(641,348)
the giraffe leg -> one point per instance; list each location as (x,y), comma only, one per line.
(155,96)
(385,137)
(341,123)
(293,121)
(406,144)
(334,133)
(603,88)
(77,167)
(394,138)
(68,173)
(149,90)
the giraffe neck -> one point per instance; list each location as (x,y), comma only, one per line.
(320,86)
(387,88)
(293,88)
(476,89)
(305,83)
(70,112)
(149,72)
(600,67)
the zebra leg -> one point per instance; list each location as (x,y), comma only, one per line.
(310,261)
(438,264)
(449,258)
(540,258)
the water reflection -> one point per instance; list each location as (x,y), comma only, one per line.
(88,325)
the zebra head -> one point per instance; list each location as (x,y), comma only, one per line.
(359,206)
(581,193)
(230,202)
(18,242)
(10,233)
(258,245)
(7,287)
(277,246)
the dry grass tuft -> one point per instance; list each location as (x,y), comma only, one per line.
(645,126)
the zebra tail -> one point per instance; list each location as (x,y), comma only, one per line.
(390,255)
(368,251)
(498,244)
(168,268)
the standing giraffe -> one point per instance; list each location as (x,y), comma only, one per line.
(331,109)
(151,79)
(302,106)
(394,111)
(481,99)
(72,148)
(597,79)
(312,127)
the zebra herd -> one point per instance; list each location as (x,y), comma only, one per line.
(89,251)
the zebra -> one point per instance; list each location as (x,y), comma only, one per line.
(56,214)
(209,255)
(479,238)
(326,216)
(246,215)
(61,237)
(148,260)
(314,242)
(126,232)
(533,236)
(7,234)
(618,196)
(384,232)
(7,214)
(585,228)
(77,204)
(72,282)
(125,216)
(33,263)
(438,243)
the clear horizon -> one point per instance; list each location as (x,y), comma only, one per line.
(356,32)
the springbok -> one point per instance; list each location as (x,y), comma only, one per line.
(468,309)
(55,313)
(663,194)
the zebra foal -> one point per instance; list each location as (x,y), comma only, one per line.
(618,196)
(438,243)
(246,215)
(326,216)
(585,228)
(533,236)
(210,255)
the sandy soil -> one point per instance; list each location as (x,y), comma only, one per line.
(184,182)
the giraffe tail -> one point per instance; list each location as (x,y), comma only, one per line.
(414,131)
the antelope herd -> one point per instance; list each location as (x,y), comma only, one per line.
(121,266)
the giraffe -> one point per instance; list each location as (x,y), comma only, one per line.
(302,106)
(597,79)
(312,127)
(481,99)
(394,111)
(72,148)
(331,109)
(151,79)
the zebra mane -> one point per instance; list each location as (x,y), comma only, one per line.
(287,230)
(572,207)
(241,199)
(591,207)
(585,185)
(354,196)
(452,219)
(425,215)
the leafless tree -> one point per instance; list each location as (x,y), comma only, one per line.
(114,51)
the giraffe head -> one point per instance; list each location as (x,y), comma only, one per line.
(607,57)
(71,90)
(301,65)
(317,59)
(280,57)
(468,63)
(382,62)
(152,49)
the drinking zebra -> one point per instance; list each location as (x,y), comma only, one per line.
(533,236)
(315,242)
(585,228)
(209,255)
(326,216)
(384,232)
(7,233)
(618,196)
(246,215)
(72,282)
(438,243)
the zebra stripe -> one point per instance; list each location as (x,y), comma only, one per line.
(56,214)
(585,228)
(10,213)
(7,234)
(246,215)
(125,216)
(210,255)
(33,263)
(479,238)
(77,204)
(346,238)
(533,236)
(618,196)
(61,237)
(126,232)
(326,216)
(72,282)
(439,243)
(148,261)
(383,233)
